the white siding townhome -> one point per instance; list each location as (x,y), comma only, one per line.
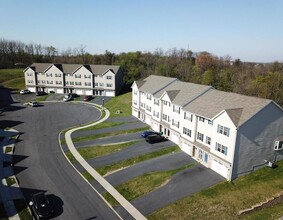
(99,80)
(229,133)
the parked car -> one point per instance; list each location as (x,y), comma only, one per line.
(40,93)
(41,206)
(73,95)
(88,98)
(67,98)
(32,104)
(24,91)
(146,133)
(155,138)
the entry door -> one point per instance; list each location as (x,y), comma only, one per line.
(206,157)
(194,151)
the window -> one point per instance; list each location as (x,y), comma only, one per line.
(48,74)
(166,118)
(30,81)
(71,83)
(188,116)
(187,131)
(208,140)
(87,83)
(57,74)
(148,108)
(78,83)
(135,92)
(223,130)
(87,76)
(29,74)
(175,123)
(156,114)
(200,136)
(96,84)
(67,83)
(77,75)
(201,119)
(142,105)
(38,81)
(148,96)
(101,84)
(135,102)
(108,77)
(58,82)
(156,102)
(221,148)
(49,82)
(164,103)
(176,109)
(209,122)
(108,84)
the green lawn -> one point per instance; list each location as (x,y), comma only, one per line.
(98,151)
(225,200)
(131,161)
(12,78)
(122,103)
(95,136)
(103,125)
(144,184)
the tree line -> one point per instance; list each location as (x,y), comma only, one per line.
(263,80)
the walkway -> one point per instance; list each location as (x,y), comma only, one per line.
(108,187)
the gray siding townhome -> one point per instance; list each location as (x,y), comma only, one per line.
(229,133)
(83,79)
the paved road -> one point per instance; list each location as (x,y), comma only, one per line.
(41,166)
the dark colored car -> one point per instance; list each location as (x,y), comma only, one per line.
(73,95)
(40,93)
(41,206)
(88,98)
(155,138)
(146,133)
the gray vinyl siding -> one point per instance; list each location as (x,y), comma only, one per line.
(255,140)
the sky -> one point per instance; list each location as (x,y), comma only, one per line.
(249,30)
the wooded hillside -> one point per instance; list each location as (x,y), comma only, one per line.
(224,73)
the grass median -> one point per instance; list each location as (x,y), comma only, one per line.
(131,161)
(98,151)
(144,184)
(95,136)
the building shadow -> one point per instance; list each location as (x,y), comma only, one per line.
(9,123)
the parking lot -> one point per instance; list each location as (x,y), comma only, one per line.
(182,184)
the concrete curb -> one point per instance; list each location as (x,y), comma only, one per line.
(107,186)
(6,197)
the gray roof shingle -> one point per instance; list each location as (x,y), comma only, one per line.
(239,107)
(155,83)
(187,92)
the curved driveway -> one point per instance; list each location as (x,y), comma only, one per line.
(41,166)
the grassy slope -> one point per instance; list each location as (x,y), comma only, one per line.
(122,103)
(225,200)
(12,78)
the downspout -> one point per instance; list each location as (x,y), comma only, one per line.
(229,177)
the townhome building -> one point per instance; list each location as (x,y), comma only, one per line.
(229,133)
(99,80)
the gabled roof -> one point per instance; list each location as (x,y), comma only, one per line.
(183,92)
(139,83)
(240,108)
(71,68)
(40,67)
(153,83)
(172,94)
(100,69)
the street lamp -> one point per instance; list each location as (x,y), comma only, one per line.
(102,102)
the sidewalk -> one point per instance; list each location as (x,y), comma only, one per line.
(108,187)
(8,193)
